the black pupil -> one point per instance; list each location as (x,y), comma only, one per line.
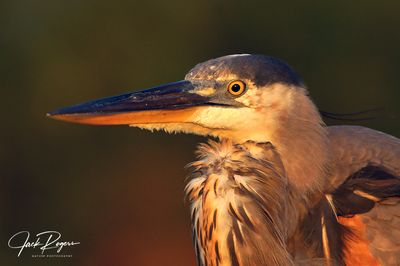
(235,88)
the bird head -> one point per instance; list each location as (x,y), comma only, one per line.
(240,97)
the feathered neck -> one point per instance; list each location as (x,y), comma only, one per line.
(301,139)
(240,205)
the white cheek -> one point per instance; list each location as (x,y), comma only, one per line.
(250,99)
(226,118)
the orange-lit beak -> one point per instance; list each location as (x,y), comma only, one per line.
(170,103)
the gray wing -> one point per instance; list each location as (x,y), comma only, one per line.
(365,186)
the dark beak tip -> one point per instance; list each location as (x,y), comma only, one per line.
(70,110)
(53,114)
(57,115)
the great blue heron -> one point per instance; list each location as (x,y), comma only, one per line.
(279,187)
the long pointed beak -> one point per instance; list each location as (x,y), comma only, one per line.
(170,103)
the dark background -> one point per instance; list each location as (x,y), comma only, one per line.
(118,190)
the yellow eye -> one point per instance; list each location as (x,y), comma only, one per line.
(236,87)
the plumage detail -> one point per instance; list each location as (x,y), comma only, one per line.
(247,207)
(366,195)
(368,203)
(241,199)
(325,241)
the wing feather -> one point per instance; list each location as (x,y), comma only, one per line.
(365,190)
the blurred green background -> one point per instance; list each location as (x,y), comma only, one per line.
(118,190)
